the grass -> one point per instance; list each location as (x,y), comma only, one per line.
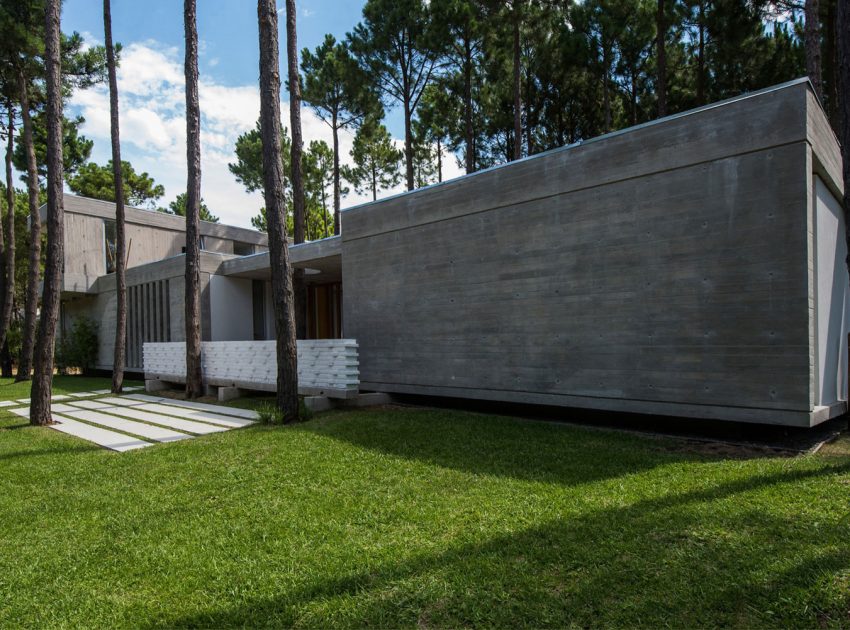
(413,517)
(10,390)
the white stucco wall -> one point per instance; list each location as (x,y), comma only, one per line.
(231,306)
(831,289)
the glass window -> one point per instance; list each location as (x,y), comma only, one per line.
(243,249)
(109,245)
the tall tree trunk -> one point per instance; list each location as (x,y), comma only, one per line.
(194,387)
(337,203)
(812,39)
(633,96)
(34,270)
(42,383)
(606,98)
(439,160)
(661,59)
(408,141)
(6,361)
(467,107)
(9,250)
(701,56)
(118,181)
(298,202)
(282,294)
(517,58)
(830,70)
(843,41)
(374,181)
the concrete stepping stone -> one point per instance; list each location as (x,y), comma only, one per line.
(90,404)
(159,434)
(61,408)
(82,394)
(23,401)
(134,388)
(190,426)
(60,397)
(102,437)
(196,414)
(99,392)
(8,403)
(124,402)
(219,409)
(57,408)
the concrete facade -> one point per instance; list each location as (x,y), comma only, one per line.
(690,267)
(670,268)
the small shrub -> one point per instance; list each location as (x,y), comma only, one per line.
(78,348)
(270,414)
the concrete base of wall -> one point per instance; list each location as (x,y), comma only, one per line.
(156,385)
(323,403)
(705,412)
(229,393)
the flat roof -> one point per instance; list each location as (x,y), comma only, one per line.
(75,204)
(606,136)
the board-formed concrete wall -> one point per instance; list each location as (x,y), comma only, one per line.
(665,269)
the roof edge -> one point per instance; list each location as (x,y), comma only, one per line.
(606,136)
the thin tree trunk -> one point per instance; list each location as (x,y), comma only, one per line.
(42,383)
(701,56)
(408,143)
(9,250)
(118,181)
(517,89)
(34,270)
(374,181)
(6,361)
(282,292)
(194,387)
(812,39)
(298,202)
(831,65)
(606,98)
(439,161)
(467,107)
(843,46)
(633,96)
(337,202)
(661,61)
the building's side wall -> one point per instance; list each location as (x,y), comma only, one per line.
(831,288)
(670,279)
(149,244)
(155,308)
(85,258)
(231,309)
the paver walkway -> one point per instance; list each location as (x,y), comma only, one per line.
(129,422)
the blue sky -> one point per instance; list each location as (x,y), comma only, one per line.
(151,88)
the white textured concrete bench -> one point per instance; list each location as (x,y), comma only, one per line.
(326,367)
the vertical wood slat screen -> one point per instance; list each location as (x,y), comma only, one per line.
(148,318)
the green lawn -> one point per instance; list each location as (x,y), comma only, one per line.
(429,518)
(10,390)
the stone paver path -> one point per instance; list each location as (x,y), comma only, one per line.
(129,422)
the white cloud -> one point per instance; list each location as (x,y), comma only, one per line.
(153,128)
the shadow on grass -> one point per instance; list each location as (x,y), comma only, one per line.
(45,452)
(680,560)
(503,446)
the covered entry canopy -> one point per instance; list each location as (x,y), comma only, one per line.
(321,261)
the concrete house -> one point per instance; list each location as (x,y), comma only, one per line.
(691,267)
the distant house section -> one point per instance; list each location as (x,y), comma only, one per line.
(151,236)
(235,298)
